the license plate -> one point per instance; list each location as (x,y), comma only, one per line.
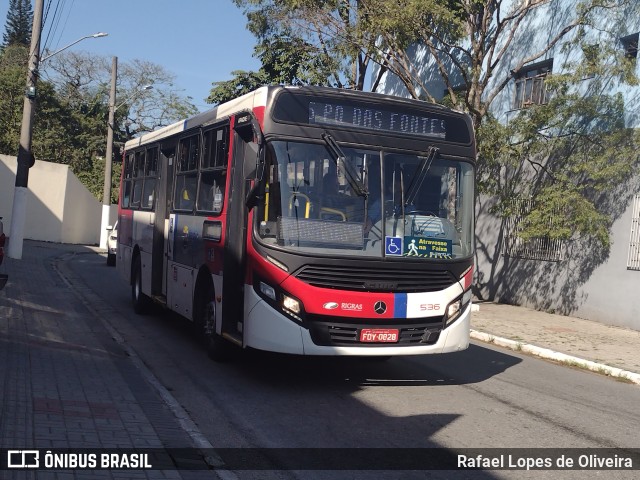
(379,335)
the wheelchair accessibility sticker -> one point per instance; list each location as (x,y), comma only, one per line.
(393,246)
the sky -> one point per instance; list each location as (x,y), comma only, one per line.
(199,41)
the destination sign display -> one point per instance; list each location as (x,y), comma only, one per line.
(372,114)
(376,118)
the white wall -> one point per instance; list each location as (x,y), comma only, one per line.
(59,208)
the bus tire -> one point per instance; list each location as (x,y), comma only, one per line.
(140,301)
(217,347)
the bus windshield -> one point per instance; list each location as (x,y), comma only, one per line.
(409,205)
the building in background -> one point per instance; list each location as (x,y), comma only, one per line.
(572,276)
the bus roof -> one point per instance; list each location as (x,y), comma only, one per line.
(258,98)
(248,101)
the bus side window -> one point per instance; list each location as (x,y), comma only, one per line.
(126,183)
(150,174)
(211,191)
(185,192)
(211,187)
(126,194)
(138,178)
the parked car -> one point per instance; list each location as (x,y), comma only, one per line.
(112,244)
(3,238)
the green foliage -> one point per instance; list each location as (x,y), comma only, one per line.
(12,84)
(288,60)
(285,61)
(563,158)
(241,83)
(92,176)
(566,157)
(302,42)
(71,110)
(19,24)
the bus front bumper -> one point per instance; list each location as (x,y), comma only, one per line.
(267,329)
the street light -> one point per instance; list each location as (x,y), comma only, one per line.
(108,161)
(95,35)
(25,156)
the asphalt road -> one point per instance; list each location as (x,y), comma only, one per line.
(483,397)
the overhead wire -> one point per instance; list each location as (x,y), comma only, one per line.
(45,18)
(51,42)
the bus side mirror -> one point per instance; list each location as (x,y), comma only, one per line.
(249,129)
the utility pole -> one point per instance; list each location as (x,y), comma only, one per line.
(25,156)
(106,192)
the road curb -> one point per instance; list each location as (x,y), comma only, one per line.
(556,356)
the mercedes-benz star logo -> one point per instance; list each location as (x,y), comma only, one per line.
(380,307)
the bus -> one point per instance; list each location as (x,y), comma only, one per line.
(306,220)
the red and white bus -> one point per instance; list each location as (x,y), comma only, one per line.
(306,220)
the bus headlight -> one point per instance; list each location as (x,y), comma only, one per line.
(279,299)
(453,311)
(455,308)
(291,304)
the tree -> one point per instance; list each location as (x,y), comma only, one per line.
(466,43)
(12,76)
(83,80)
(70,123)
(302,42)
(241,83)
(563,159)
(562,155)
(19,23)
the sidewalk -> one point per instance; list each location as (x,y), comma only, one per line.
(65,382)
(608,350)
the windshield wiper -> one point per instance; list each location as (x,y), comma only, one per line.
(347,170)
(420,175)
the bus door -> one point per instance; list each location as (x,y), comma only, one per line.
(233,281)
(161,227)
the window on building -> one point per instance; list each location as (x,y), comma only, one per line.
(542,248)
(633,261)
(530,84)
(630,46)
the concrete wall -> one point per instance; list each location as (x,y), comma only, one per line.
(588,282)
(59,208)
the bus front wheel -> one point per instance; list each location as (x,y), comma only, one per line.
(217,347)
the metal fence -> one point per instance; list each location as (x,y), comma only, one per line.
(538,248)
(633,261)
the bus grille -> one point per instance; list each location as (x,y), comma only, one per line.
(387,279)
